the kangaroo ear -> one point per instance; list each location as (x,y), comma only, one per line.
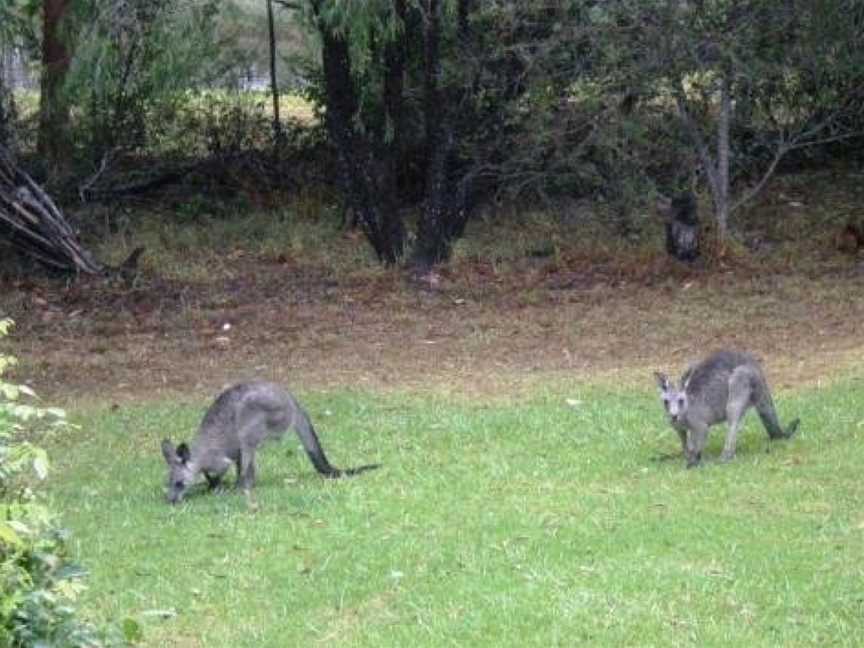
(183,452)
(685,379)
(168,451)
(662,380)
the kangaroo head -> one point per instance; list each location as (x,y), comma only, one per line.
(674,398)
(181,474)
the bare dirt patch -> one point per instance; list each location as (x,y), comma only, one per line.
(471,331)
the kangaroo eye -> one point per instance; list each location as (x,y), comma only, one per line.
(666,403)
(680,402)
(178,484)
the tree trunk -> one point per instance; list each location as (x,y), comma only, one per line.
(716,167)
(394,89)
(444,213)
(274,86)
(721,199)
(431,247)
(7,112)
(54,142)
(358,172)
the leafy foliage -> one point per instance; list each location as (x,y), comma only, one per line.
(39,584)
(748,82)
(134,63)
(435,107)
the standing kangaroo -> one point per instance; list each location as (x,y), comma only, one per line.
(720,388)
(240,419)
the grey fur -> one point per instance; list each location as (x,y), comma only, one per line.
(682,226)
(240,419)
(720,388)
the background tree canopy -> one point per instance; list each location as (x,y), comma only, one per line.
(430,109)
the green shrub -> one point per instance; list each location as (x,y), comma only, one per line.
(38,585)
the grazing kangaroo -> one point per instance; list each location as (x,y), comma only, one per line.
(240,419)
(720,388)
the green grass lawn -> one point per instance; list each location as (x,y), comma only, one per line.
(565,520)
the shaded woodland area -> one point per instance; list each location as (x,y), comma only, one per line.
(421,114)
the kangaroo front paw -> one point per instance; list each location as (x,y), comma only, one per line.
(726,457)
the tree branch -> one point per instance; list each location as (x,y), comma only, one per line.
(699,140)
(778,155)
(33,222)
(782,150)
(287,4)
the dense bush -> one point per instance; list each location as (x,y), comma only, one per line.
(38,584)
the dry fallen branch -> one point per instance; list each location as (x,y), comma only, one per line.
(34,224)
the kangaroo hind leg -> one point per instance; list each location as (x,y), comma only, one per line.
(246,469)
(697,437)
(740,399)
(768,415)
(682,434)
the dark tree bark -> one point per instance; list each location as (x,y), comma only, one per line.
(445,211)
(53,143)
(374,159)
(274,85)
(359,173)
(395,57)
(431,243)
(7,113)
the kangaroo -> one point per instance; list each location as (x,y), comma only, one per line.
(238,421)
(682,226)
(720,388)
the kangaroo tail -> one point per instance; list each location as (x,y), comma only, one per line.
(350,472)
(313,448)
(768,415)
(792,428)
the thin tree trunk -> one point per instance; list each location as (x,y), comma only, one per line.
(53,112)
(721,202)
(394,89)
(432,74)
(5,118)
(716,169)
(431,246)
(274,85)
